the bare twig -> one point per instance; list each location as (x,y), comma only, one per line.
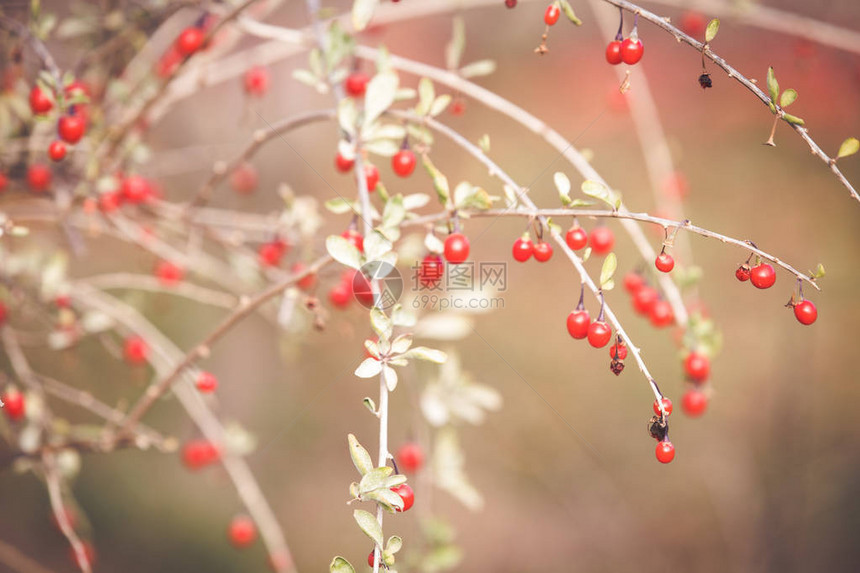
(53,480)
(149,283)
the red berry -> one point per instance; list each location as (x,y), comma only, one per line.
(743,273)
(168,273)
(431,271)
(613,52)
(458,107)
(667,405)
(168,62)
(456,248)
(40,103)
(371,176)
(578,322)
(411,457)
(71,128)
(762,276)
(661,314)
(15,407)
(135,189)
(576,238)
(57,150)
(511,3)
(620,349)
(343,164)
(694,403)
(599,334)
(371,559)
(543,252)
(109,201)
(664,262)
(257,81)
(206,382)
(551,15)
(269,254)
(805,312)
(3,313)
(644,299)
(242,531)
(693,23)
(135,350)
(355,238)
(360,286)
(633,281)
(189,41)
(244,179)
(403,163)
(307,282)
(523,249)
(38,177)
(197,454)
(406,494)
(601,240)
(632,50)
(665,452)
(3,181)
(356,84)
(340,295)
(697,367)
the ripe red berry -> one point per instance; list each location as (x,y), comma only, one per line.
(206,382)
(523,249)
(601,240)
(40,103)
(135,350)
(168,62)
(406,494)
(543,252)
(355,238)
(576,238)
(356,84)
(511,3)
(618,351)
(664,262)
(697,366)
(551,15)
(633,281)
(168,273)
(197,454)
(661,314)
(431,271)
(613,52)
(3,313)
(665,452)
(38,177)
(57,151)
(242,531)
(3,181)
(244,179)
(71,128)
(743,273)
(667,405)
(15,407)
(360,286)
(762,276)
(411,457)
(456,248)
(458,107)
(805,312)
(632,50)
(340,295)
(343,164)
(257,81)
(307,282)
(371,176)
(189,41)
(110,201)
(135,189)
(269,254)
(371,559)
(694,403)
(578,322)
(644,299)
(693,23)
(403,163)
(599,334)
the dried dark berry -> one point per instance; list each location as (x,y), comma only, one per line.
(705,81)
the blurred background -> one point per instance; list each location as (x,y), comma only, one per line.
(767,480)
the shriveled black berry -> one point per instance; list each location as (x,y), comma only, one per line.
(705,81)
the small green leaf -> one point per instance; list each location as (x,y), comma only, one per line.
(455,47)
(562,183)
(792,119)
(468,196)
(440,182)
(390,375)
(369,404)
(401,344)
(374,479)
(772,85)
(369,368)
(568,11)
(343,251)
(599,191)
(362,12)
(389,499)
(426,96)
(608,269)
(394,544)
(580,203)
(484,143)
(339,205)
(819,272)
(478,69)
(360,457)
(428,354)
(369,525)
(394,212)
(711,30)
(305,77)
(379,96)
(382,147)
(849,147)
(787,98)
(375,246)
(340,565)
(440,104)
(381,324)
(347,114)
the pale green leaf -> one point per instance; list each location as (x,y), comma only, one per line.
(415,201)
(849,147)
(394,544)
(394,212)
(390,375)
(379,96)
(381,324)
(787,98)
(456,45)
(428,354)
(426,96)
(484,143)
(369,368)
(401,344)
(375,246)
(610,263)
(343,251)
(819,272)
(772,85)
(478,69)
(340,565)
(362,12)
(792,119)
(382,147)
(440,104)
(339,205)
(360,457)
(369,404)
(568,11)
(711,30)
(562,183)
(374,479)
(369,525)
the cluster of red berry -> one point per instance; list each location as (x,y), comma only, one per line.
(628,50)
(647,301)
(763,276)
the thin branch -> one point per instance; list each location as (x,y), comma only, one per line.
(53,480)
(38,46)
(133,281)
